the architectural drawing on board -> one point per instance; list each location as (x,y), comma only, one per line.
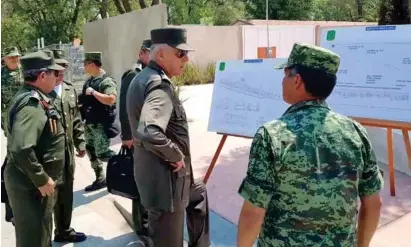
(257,91)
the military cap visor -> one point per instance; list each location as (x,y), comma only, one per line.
(313,57)
(174,37)
(39,60)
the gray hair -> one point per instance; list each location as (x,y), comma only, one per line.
(154,49)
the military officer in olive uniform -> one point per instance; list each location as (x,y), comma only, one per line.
(35,150)
(11,81)
(139,214)
(64,98)
(162,163)
(98,103)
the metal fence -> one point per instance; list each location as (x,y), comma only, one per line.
(75,56)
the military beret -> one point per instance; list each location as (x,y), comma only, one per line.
(175,37)
(94,55)
(313,57)
(39,60)
(59,56)
(11,52)
(146,44)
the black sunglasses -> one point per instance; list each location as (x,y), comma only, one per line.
(181,53)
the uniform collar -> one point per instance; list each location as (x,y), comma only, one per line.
(307,103)
(42,94)
(140,65)
(153,65)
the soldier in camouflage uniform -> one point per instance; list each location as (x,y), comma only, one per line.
(11,78)
(64,98)
(308,168)
(11,81)
(98,103)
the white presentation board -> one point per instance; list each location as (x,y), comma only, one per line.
(246,94)
(374,78)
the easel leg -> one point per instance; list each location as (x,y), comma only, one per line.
(214,160)
(407,146)
(391,161)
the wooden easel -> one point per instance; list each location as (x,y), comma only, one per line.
(389,125)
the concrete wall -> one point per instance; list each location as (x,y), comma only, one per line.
(214,43)
(120,37)
(281,37)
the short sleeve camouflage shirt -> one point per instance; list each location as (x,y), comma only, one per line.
(307,170)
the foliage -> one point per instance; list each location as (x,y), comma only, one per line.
(196,75)
(280,9)
(23,21)
(16,31)
(394,12)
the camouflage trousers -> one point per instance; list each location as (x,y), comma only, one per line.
(97,147)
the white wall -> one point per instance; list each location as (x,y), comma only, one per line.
(282,37)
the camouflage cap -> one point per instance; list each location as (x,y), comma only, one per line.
(146,44)
(94,55)
(11,52)
(39,60)
(60,56)
(314,57)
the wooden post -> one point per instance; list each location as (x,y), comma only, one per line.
(407,146)
(391,161)
(215,158)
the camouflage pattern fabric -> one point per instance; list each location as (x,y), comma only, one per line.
(314,57)
(307,170)
(97,145)
(11,82)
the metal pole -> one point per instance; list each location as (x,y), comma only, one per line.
(42,42)
(268,33)
(38,44)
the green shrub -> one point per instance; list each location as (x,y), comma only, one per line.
(194,75)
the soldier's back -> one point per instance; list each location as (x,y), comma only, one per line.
(318,167)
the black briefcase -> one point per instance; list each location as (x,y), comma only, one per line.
(120,175)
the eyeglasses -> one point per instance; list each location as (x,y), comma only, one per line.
(181,53)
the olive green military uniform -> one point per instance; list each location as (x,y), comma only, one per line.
(308,168)
(159,126)
(97,141)
(66,105)
(35,146)
(139,214)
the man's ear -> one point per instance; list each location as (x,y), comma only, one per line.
(299,84)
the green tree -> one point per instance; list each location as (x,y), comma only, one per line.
(16,31)
(394,12)
(280,9)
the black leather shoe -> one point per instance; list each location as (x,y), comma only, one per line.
(72,237)
(96,185)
